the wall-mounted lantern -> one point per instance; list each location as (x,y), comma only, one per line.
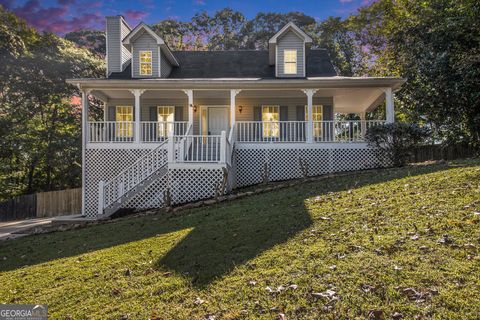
(240,108)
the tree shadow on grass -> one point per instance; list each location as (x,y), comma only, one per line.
(235,235)
(222,236)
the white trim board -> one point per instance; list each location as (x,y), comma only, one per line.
(313,146)
(122,146)
(199,111)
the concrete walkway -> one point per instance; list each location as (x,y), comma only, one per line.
(19,228)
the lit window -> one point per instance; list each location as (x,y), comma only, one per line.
(165,117)
(290,61)
(317,112)
(124,119)
(146,63)
(270,118)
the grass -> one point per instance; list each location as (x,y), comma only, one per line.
(384,244)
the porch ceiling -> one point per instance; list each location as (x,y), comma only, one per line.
(346,100)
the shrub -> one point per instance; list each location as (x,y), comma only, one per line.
(397,140)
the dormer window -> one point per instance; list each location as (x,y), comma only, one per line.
(146,63)
(290,61)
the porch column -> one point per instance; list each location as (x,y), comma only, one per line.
(363,124)
(390,112)
(233,94)
(189,94)
(85,94)
(137,93)
(309,93)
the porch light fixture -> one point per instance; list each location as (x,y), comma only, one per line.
(240,108)
(194,107)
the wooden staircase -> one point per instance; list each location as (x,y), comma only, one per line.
(135,179)
(132,181)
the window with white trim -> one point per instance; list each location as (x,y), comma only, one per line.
(270,119)
(124,121)
(145,63)
(317,112)
(290,61)
(165,118)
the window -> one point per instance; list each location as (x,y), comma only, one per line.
(290,61)
(146,63)
(270,118)
(317,112)
(124,119)
(165,118)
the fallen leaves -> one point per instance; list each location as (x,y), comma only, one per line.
(397,316)
(445,239)
(418,295)
(376,315)
(368,288)
(281,288)
(198,301)
(330,294)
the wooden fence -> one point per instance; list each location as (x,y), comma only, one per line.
(441,152)
(42,204)
(18,208)
(59,203)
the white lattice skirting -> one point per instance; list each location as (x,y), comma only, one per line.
(186,185)
(251,165)
(256,163)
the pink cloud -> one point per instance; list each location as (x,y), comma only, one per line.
(135,14)
(55,18)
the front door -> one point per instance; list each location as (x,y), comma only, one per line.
(217,120)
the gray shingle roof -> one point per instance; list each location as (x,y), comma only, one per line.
(236,64)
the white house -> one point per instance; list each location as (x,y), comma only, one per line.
(180,126)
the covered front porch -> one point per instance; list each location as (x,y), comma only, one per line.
(149,116)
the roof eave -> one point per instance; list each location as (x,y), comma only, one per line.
(241,83)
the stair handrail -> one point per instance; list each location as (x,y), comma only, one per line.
(132,176)
(230,144)
(183,143)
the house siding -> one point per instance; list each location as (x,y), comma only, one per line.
(247,106)
(290,40)
(117,54)
(145,42)
(145,105)
(126,54)
(165,67)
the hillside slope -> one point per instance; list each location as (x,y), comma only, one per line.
(393,243)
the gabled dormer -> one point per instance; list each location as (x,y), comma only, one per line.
(140,52)
(287,51)
(151,57)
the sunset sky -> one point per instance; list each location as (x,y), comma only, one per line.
(62,16)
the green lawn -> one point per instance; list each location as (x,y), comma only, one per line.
(397,242)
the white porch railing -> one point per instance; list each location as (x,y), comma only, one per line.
(124,131)
(343,131)
(111,131)
(157,131)
(272,131)
(198,148)
(296,131)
